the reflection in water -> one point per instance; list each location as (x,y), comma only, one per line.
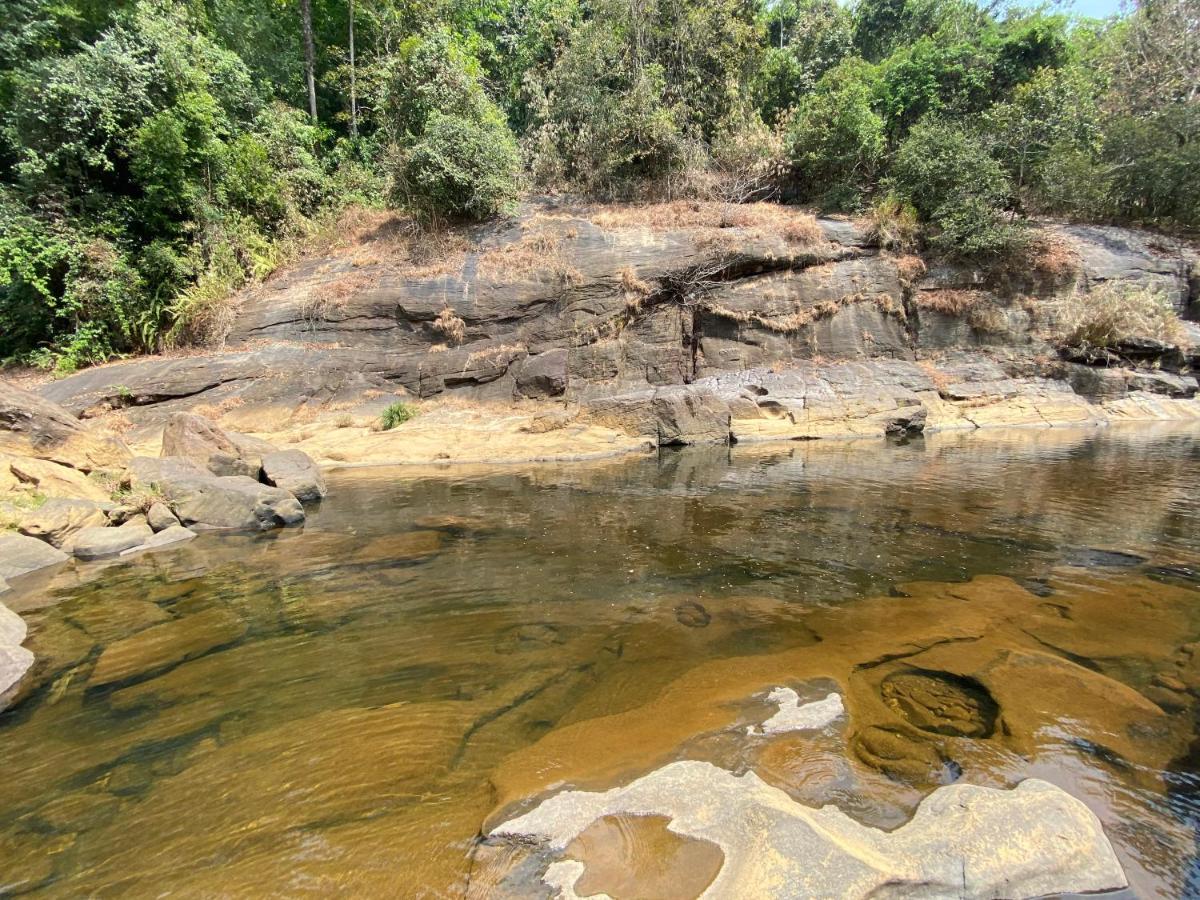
(341,709)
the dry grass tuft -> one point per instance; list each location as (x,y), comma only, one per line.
(538,253)
(794,225)
(450,325)
(1055,256)
(940,379)
(910,269)
(892,225)
(1115,312)
(987,319)
(949,302)
(635,289)
(331,296)
(790,323)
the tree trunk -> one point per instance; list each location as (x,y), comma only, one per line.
(310,56)
(353,92)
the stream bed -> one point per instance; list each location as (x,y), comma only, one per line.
(347,708)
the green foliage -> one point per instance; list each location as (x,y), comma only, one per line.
(455,156)
(156,155)
(461,167)
(396,414)
(951,180)
(836,137)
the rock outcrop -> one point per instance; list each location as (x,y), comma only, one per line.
(963,841)
(660,322)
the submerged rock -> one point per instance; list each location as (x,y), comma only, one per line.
(963,841)
(161,646)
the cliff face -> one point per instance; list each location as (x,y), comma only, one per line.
(764,314)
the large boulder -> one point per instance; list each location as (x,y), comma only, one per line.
(34,426)
(97,542)
(294,470)
(58,519)
(220,452)
(543,375)
(198,497)
(21,554)
(669,415)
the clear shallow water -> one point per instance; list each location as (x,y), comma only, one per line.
(341,709)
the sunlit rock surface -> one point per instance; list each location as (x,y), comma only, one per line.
(964,841)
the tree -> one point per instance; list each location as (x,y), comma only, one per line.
(310,56)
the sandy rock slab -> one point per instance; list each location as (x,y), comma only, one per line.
(20,554)
(963,841)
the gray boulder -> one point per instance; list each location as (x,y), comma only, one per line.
(97,542)
(58,519)
(172,534)
(198,497)
(21,554)
(15,660)
(294,471)
(160,517)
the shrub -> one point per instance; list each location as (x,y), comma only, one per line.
(948,176)
(460,168)
(835,137)
(892,224)
(450,325)
(1114,312)
(396,414)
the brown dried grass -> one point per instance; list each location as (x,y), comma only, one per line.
(794,225)
(538,253)
(450,325)
(948,302)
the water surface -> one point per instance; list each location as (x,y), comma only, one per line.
(341,709)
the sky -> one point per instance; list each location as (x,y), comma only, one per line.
(1096,8)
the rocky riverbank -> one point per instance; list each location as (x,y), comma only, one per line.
(573,333)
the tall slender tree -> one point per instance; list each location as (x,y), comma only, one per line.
(310,56)
(353,85)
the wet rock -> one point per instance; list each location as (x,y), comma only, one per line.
(692,614)
(15,660)
(56,520)
(220,452)
(21,554)
(294,471)
(160,516)
(165,645)
(170,536)
(899,756)
(94,543)
(963,841)
(1094,558)
(452,524)
(941,703)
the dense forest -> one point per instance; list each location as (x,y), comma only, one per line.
(157,155)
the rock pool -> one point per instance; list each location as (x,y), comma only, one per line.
(351,708)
